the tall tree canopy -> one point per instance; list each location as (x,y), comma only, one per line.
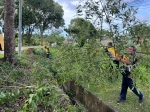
(140,34)
(48,14)
(42,15)
(115,15)
(140,30)
(81,30)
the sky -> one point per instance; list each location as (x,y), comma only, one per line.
(143,9)
(69,7)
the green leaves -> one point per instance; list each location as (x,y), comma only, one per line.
(84,65)
(107,14)
(81,30)
(8,97)
(31,86)
(40,15)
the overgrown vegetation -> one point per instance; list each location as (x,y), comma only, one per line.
(90,67)
(30,86)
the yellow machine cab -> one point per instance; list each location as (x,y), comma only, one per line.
(1,41)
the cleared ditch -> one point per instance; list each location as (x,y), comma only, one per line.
(90,101)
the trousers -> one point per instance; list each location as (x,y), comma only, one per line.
(128,82)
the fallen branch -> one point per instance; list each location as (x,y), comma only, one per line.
(18,87)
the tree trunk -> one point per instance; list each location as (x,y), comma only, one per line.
(9,37)
(30,35)
(41,37)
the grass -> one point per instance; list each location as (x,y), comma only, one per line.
(1,55)
(111,95)
(54,51)
(111,90)
(31,71)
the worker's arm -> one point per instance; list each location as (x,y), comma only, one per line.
(123,61)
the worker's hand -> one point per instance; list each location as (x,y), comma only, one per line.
(118,58)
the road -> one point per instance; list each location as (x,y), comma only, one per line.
(26,47)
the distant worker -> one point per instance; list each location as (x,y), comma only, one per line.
(47,52)
(129,63)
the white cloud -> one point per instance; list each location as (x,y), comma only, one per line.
(68,14)
(56,1)
(128,0)
(75,3)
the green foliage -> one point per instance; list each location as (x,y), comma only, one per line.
(102,33)
(48,14)
(140,30)
(1,2)
(29,86)
(90,67)
(85,65)
(28,17)
(48,97)
(81,30)
(55,38)
(8,96)
(34,41)
(106,14)
(39,15)
(40,52)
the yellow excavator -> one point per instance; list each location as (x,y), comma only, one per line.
(1,42)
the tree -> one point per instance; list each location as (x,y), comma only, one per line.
(48,14)
(102,33)
(115,15)
(9,42)
(55,37)
(140,35)
(28,21)
(140,30)
(1,2)
(81,30)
